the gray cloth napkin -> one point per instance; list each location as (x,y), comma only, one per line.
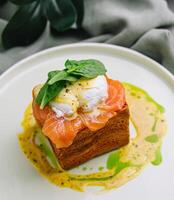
(146,26)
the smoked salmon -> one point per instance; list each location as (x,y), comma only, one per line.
(98,122)
(116,96)
(62,131)
(40,114)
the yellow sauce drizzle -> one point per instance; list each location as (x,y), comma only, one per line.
(122,165)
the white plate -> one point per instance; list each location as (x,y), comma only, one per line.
(19,180)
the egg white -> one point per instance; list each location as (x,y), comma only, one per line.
(83,94)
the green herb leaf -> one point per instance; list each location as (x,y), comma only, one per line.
(25,26)
(51,89)
(49,92)
(71,78)
(41,94)
(58,79)
(86,68)
(71,64)
(51,74)
(61,75)
(60,13)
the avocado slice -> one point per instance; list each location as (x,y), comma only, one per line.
(43,143)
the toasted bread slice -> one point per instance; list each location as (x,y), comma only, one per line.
(88,144)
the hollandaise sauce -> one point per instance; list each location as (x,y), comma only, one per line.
(119,166)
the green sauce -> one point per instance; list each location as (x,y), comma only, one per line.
(113,160)
(152,138)
(122,165)
(158,157)
(84,168)
(100,168)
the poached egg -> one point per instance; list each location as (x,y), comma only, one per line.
(83,94)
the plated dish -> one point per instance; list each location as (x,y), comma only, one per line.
(80,113)
(20,179)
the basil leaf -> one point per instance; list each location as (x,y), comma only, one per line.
(74,71)
(22,2)
(57,77)
(71,78)
(44,89)
(61,75)
(25,26)
(60,13)
(41,94)
(51,92)
(71,64)
(51,74)
(86,68)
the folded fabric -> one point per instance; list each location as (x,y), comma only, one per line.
(146,26)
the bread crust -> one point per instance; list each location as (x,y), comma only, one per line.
(89,144)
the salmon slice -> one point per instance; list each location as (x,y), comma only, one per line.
(98,122)
(60,130)
(116,96)
(115,102)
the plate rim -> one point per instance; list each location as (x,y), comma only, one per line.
(161,69)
